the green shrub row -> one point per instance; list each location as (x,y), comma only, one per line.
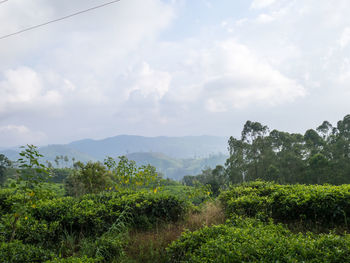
(319,204)
(17,252)
(250,240)
(83,259)
(91,215)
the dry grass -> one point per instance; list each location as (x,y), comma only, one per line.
(210,214)
(149,246)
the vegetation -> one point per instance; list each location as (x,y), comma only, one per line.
(243,240)
(315,207)
(117,211)
(107,207)
(319,156)
(4,164)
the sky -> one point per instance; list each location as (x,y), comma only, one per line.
(171,68)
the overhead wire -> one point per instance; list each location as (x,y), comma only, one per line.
(3,1)
(58,19)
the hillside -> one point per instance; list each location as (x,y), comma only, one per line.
(176,147)
(174,157)
(177,168)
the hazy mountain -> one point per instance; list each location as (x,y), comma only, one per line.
(172,156)
(51,151)
(177,147)
(177,168)
(10,154)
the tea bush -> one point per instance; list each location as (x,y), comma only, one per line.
(18,252)
(319,204)
(249,240)
(95,217)
(74,260)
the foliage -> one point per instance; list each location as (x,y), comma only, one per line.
(17,252)
(83,259)
(127,175)
(326,205)
(89,215)
(194,194)
(4,164)
(95,177)
(31,176)
(88,179)
(90,227)
(319,156)
(216,179)
(244,240)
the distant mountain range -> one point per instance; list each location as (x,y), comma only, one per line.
(173,156)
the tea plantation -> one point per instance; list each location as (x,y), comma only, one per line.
(311,217)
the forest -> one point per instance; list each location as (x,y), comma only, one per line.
(280,197)
(320,156)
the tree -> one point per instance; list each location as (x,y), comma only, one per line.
(314,142)
(66,160)
(126,174)
(319,169)
(92,177)
(272,174)
(31,175)
(57,161)
(4,164)
(236,164)
(325,129)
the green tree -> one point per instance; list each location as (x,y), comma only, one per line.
(92,177)
(5,163)
(126,174)
(31,175)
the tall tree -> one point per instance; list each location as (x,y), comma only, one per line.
(4,164)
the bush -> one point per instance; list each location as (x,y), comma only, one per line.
(324,205)
(91,215)
(253,241)
(16,252)
(74,260)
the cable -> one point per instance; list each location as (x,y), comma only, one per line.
(58,19)
(3,1)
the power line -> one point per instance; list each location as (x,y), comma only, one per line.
(58,19)
(3,1)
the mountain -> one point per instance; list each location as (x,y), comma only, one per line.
(172,156)
(177,168)
(51,151)
(176,147)
(10,154)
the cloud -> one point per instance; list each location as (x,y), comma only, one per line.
(135,69)
(147,82)
(345,38)
(264,18)
(23,89)
(257,4)
(237,78)
(11,135)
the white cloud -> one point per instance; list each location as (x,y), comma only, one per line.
(148,82)
(237,78)
(264,18)
(257,4)
(23,89)
(113,71)
(11,135)
(345,38)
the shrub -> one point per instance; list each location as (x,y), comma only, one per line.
(324,205)
(254,241)
(16,252)
(74,260)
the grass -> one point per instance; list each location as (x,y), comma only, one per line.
(150,246)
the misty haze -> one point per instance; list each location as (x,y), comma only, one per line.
(174,131)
